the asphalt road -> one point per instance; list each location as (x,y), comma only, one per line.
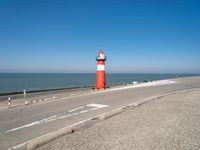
(20,124)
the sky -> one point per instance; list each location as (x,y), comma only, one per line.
(64,36)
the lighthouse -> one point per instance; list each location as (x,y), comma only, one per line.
(101,75)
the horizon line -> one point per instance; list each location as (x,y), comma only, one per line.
(95,73)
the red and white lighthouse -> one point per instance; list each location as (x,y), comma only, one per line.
(101,75)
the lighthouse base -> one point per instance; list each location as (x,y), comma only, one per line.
(100,89)
(101,80)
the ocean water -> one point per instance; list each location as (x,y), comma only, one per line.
(17,82)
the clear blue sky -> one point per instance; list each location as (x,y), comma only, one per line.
(137,36)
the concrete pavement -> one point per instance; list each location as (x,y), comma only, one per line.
(20,124)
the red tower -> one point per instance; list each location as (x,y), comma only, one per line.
(101,75)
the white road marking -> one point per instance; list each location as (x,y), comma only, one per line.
(84,111)
(47,119)
(75,114)
(97,105)
(32,124)
(25,126)
(50,98)
(59,116)
(93,109)
(76,109)
(17,146)
(21,145)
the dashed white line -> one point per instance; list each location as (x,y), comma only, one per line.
(25,126)
(23,144)
(32,124)
(17,146)
(97,105)
(93,109)
(84,111)
(59,116)
(75,109)
(75,114)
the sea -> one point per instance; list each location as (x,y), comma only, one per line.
(32,82)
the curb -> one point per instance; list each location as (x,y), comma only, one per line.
(109,114)
(39,141)
(44,139)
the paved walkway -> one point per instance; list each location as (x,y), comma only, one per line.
(172,122)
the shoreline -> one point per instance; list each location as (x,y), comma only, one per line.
(43,95)
(78,88)
(33,97)
(43,90)
(92,86)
